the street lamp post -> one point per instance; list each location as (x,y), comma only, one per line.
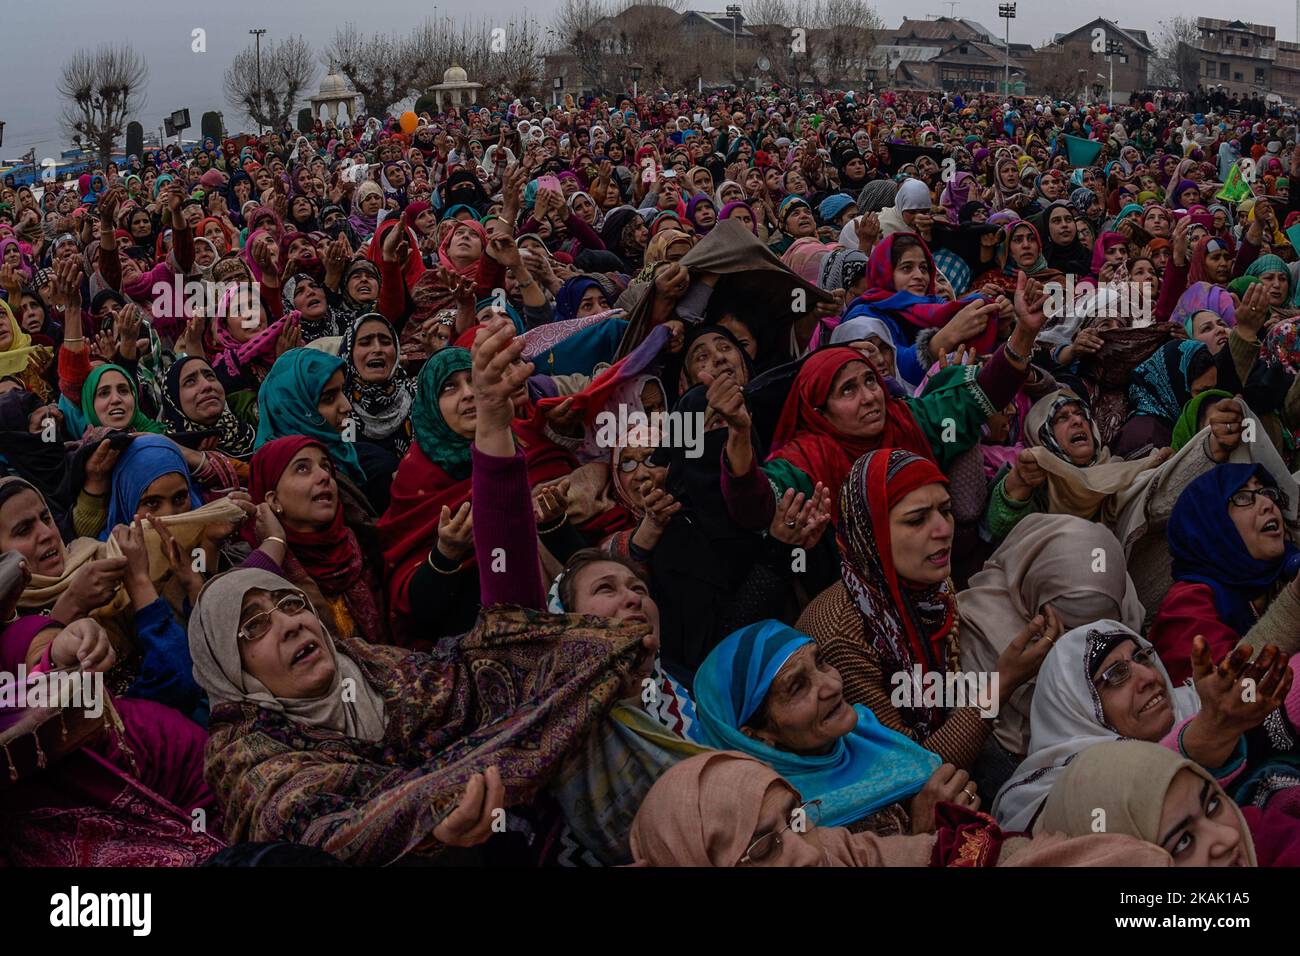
(257,34)
(559,85)
(1113,49)
(733,12)
(635,69)
(1007,11)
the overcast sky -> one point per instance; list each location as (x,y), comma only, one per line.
(39,35)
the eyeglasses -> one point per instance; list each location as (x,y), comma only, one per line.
(629,465)
(804,816)
(1246,497)
(1117,674)
(256,626)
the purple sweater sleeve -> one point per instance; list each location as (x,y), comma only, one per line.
(1000,380)
(262,561)
(749,499)
(505,531)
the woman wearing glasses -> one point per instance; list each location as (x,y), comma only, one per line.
(1232,558)
(1104,682)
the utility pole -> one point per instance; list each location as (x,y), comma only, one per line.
(257,34)
(733,11)
(1007,11)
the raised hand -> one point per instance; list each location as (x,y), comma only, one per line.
(455,532)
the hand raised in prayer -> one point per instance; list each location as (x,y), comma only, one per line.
(108,204)
(266,524)
(1252,311)
(672,281)
(946,785)
(965,355)
(461,288)
(65,285)
(971,321)
(126,329)
(498,373)
(1030,298)
(867,228)
(455,532)
(1020,660)
(130,538)
(1025,475)
(190,341)
(801,520)
(83,644)
(659,505)
(471,822)
(1236,696)
(1225,419)
(1178,241)
(726,396)
(99,469)
(566,417)
(290,336)
(12,283)
(397,245)
(550,502)
(37,419)
(267,256)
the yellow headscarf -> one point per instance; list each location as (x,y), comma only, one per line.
(13,360)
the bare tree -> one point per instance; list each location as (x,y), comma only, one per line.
(1176,63)
(506,59)
(103,88)
(287,71)
(577,32)
(826,42)
(1054,73)
(384,70)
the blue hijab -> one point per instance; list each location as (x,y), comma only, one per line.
(1162,385)
(287,405)
(866,770)
(145,460)
(570,296)
(1207,548)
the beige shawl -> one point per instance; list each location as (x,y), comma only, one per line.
(350,706)
(1076,566)
(1128,779)
(1084,492)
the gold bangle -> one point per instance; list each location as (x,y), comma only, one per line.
(275,538)
(438,569)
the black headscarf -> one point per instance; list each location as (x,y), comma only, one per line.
(236,438)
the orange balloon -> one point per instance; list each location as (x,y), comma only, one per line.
(408,121)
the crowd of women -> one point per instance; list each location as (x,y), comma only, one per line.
(308,453)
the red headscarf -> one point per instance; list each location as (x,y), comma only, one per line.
(904,622)
(807,440)
(928,312)
(331,557)
(1196,270)
(413,268)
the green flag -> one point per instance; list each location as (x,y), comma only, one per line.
(1080,151)
(1235,188)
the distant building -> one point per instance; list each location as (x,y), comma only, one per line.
(1239,57)
(946,53)
(1071,54)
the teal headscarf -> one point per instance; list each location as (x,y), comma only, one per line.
(1271,263)
(287,405)
(140,422)
(866,770)
(442,446)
